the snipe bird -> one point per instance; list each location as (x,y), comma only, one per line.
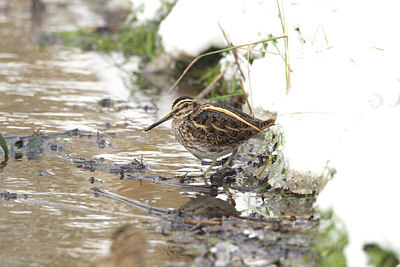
(210,131)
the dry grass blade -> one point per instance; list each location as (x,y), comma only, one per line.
(234,51)
(286,57)
(134,203)
(240,73)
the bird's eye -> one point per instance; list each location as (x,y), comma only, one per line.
(186,105)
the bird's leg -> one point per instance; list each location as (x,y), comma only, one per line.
(209,168)
(226,165)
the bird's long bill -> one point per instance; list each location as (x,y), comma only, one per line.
(163,119)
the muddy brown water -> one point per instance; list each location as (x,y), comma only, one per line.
(56,89)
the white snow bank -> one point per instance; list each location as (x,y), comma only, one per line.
(146,10)
(192,26)
(351,87)
(365,192)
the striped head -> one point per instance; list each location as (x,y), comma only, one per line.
(182,106)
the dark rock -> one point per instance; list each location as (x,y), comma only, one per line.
(209,207)
(223,176)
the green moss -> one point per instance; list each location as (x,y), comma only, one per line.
(212,242)
(379,257)
(330,242)
(35,141)
(141,40)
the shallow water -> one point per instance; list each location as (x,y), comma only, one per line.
(58,90)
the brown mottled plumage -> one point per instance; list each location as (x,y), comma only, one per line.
(209,130)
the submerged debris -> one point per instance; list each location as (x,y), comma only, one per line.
(45,173)
(8,196)
(33,146)
(132,167)
(92,180)
(99,163)
(106,102)
(55,147)
(87,164)
(19,144)
(101,143)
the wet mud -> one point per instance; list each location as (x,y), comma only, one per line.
(212,231)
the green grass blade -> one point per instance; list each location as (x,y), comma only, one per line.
(3,144)
(265,139)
